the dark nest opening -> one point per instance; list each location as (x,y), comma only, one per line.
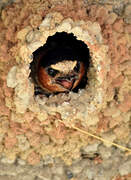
(60,50)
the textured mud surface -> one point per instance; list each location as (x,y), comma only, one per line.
(30,131)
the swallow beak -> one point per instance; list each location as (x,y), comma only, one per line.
(67,82)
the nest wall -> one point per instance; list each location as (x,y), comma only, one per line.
(71,106)
(30,126)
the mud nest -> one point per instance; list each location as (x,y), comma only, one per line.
(31,123)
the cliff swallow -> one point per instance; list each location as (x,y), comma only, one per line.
(60,65)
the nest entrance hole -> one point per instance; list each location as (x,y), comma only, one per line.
(57,48)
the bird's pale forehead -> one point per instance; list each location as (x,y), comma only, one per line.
(64,66)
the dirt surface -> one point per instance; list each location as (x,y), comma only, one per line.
(26,139)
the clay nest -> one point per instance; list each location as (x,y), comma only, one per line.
(72,108)
(30,124)
(82,106)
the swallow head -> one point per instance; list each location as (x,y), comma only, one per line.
(61,77)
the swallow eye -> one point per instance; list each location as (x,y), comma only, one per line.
(52,72)
(77,67)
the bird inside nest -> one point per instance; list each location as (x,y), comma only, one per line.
(60,65)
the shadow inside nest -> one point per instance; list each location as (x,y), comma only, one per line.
(60,49)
